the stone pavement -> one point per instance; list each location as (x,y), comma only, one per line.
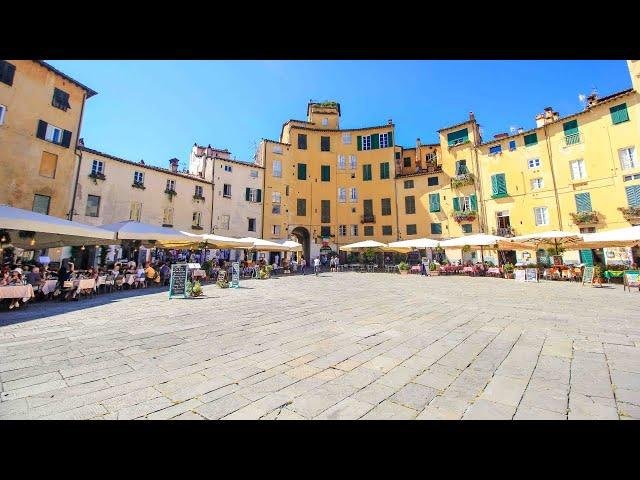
(337,346)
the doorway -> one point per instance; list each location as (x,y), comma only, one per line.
(304,238)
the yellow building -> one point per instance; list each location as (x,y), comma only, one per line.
(40,118)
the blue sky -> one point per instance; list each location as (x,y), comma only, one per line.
(156,110)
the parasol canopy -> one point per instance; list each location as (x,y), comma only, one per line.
(477,240)
(416,243)
(551,238)
(620,237)
(291,246)
(262,245)
(364,245)
(150,235)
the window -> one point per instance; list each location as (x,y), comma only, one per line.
(466,228)
(386,206)
(583,202)
(275,209)
(368,231)
(199,192)
(171,185)
(342,194)
(571,133)
(325,231)
(253,174)
(387,230)
(53,134)
(226,190)
(366,142)
(432,181)
(195,219)
(254,194)
(465,204)
(541,216)
(48,164)
(588,230)
(619,114)
(534,163)
(353,194)
(325,173)
(384,140)
(341,162)
(286,190)
(302,171)
(495,150)
(537,184)
(512,145)
(301,207)
(275,197)
(578,171)
(325,121)
(41,203)
(276,230)
(398,155)
(461,167)
(60,99)
(458,137)
(93,206)
(342,230)
(436,229)
(7,71)
(406,162)
(3,110)
(412,229)
(135,211)
(346,139)
(633,195)
(431,157)
(325,211)
(226,219)
(167,217)
(531,140)
(325,144)
(97,167)
(498,185)
(410,205)
(277,149)
(302,141)
(252,224)
(628,178)
(227,168)
(353,162)
(277,168)
(384,170)
(434,202)
(408,184)
(628,158)
(366,172)
(354,230)
(138,178)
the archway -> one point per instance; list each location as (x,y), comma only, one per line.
(304,238)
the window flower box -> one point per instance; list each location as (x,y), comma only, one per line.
(582,218)
(462,180)
(138,185)
(198,197)
(97,176)
(631,214)
(171,193)
(468,216)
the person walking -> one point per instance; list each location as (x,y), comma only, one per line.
(303,264)
(316,265)
(332,264)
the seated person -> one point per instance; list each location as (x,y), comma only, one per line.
(151,275)
(34,277)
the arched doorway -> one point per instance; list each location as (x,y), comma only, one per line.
(303,237)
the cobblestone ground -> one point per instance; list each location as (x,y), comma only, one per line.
(338,346)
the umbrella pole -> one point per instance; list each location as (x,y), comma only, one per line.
(481,253)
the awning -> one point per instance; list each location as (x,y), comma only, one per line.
(416,243)
(620,237)
(552,238)
(477,240)
(291,245)
(149,235)
(261,245)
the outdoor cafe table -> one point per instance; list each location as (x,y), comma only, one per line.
(415,268)
(49,286)
(25,292)
(84,284)
(609,274)
(467,270)
(493,271)
(390,268)
(371,268)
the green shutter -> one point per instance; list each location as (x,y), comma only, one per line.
(247,193)
(456,204)
(473,203)
(326,173)
(499,185)
(619,113)
(530,139)
(302,171)
(494,185)
(366,172)
(384,170)
(583,202)
(570,128)
(434,202)
(460,136)
(258,195)
(359,142)
(390,136)
(436,228)
(633,195)
(375,141)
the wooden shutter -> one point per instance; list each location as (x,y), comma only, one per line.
(66,138)
(359,142)
(42,129)
(390,138)
(494,184)
(258,195)
(434,202)
(619,113)
(473,203)
(48,165)
(456,204)
(633,195)
(375,141)
(583,202)
(459,136)
(302,171)
(325,173)
(247,194)
(7,71)
(570,128)
(530,139)
(410,205)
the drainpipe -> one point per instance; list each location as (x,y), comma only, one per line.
(213,190)
(75,185)
(553,177)
(478,182)
(264,187)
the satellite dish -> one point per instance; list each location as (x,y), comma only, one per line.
(582,97)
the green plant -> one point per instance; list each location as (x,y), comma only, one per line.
(403,266)
(439,249)
(222,283)
(369,255)
(508,268)
(462,180)
(445,262)
(188,288)
(598,271)
(584,217)
(103,254)
(206,266)
(466,249)
(196,290)
(489,263)
(468,216)
(555,251)
(432,267)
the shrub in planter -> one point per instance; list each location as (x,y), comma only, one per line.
(196,290)
(508,268)
(598,274)
(404,268)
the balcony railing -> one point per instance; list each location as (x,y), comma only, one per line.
(584,218)
(462,180)
(630,214)
(573,139)
(504,232)
(428,169)
(466,216)
(368,218)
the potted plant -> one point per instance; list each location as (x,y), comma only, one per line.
(433,269)
(196,290)
(404,268)
(598,275)
(507,268)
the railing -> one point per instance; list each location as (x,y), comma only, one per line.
(466,216)
(630,213)
(429,169)
(504,232)
(367,218)
(462,180)
(572,139)
(581,218)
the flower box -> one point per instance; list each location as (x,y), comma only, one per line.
(630,213)
(581,218)
(462,180)
(138,185)
(469,216)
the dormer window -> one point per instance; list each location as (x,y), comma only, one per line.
(60,99)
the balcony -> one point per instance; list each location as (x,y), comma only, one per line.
(427,170)
(139,185)
(584,218)
(573,139)
(368,218)
(171,192)
(504,232)
(95,176)
(631,214)
(198,197)
(466,216)
(462,180)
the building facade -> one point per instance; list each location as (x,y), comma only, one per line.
(41,113)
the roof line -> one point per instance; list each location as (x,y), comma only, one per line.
(90,92)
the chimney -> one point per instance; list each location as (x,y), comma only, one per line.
(141,161)
(472,117)
(418,144)
(520,129)
(81,142)
(540,120)
(390,122)
(174,164)
(500,135)
(592,100)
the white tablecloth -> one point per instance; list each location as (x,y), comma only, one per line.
(49,286)
(17,291)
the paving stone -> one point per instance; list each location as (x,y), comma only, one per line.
(388,410)
(486,410)
(347,409)
(583,407)
(414,396)
(374,393)
(222,407)
(505,390)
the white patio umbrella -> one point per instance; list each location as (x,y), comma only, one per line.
(211,241)
(44,231)
(477,240)
(415,243)
(291,245)
(551,238)
(150,235)
(352,247)
(262,245)
(620,237)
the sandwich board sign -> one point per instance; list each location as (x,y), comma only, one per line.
(178,282)
(631,278)
(587,275)
(531,275)
(519,275)
(235,275)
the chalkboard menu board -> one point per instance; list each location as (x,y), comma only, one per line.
(178,283)
(519,275)
(587,275)
(531,275)
(631,278)
(235,275)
